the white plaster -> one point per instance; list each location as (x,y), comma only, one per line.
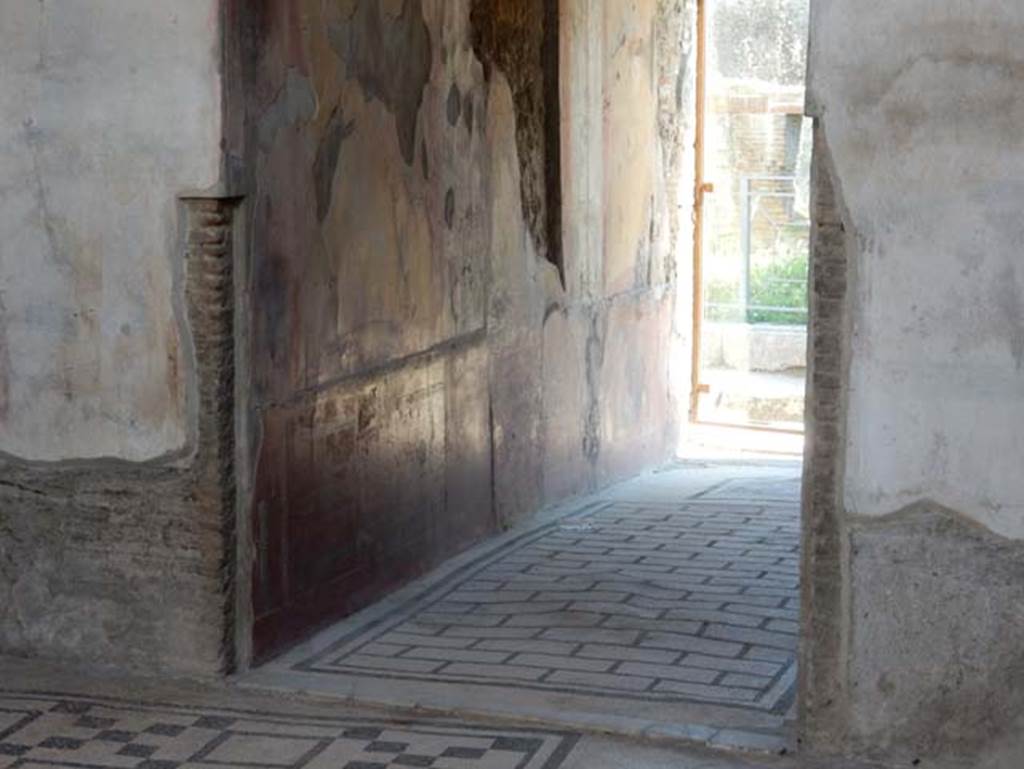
(583,145)
(108,111)
(922,108)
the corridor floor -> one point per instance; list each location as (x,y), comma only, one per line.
(55,717)
(667,606)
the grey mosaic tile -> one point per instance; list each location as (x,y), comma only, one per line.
(109,733)
(687,602)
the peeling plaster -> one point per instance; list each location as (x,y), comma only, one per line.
(390,55)
(294,104)
(326,164)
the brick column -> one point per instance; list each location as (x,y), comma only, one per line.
(824,623)
(210,295)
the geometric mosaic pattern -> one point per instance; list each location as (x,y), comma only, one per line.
(39,731)
(688,602)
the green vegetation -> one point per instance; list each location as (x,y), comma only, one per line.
(778,293)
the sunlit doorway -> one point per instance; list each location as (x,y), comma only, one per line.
(752,215)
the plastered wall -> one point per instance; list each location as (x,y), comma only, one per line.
(107,114)
(924,142)
(340,202)
(111,545)
(915,611)
(427,368)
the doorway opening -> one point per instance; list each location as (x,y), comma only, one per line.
(667,604)
(752,215)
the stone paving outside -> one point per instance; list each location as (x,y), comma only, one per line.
(681,589)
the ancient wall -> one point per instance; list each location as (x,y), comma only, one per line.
(93,160)
(111,461)
(319,252)
(428,365)
(913,612)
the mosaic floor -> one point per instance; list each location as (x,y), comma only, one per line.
(678,589)
(39,730)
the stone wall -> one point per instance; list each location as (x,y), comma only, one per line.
(113,520)
(915,510)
